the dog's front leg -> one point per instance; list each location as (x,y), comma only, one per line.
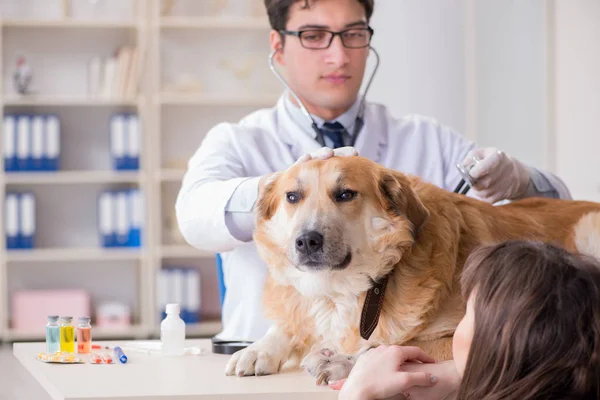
(327,365)
(263,357)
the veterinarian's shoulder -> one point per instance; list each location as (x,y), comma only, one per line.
(413,127)
(256,128)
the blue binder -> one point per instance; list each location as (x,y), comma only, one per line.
(24,143)
(136,217)
(51,159)
(118,141)
(122,218)
(106,219)
(9,129)
(38,133)
(132,159)
(192,295)
(11,220)
(27,220)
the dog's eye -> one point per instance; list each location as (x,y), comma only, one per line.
(292,197)
(346,195)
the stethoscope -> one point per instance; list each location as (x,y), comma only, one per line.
(358,122)
(230,347)
(467,180)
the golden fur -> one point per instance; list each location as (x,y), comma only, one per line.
(395,224)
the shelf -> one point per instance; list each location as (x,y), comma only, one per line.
(67,23)
(183,251)
(72,254)
(71,177)
(171,175)
(218,100)
(134,331)
(261,23)
(84,101)
(203,329)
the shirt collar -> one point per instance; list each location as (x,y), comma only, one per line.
(347,119)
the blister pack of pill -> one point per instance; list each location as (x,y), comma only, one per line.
(60,358)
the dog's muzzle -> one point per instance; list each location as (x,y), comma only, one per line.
(311,252)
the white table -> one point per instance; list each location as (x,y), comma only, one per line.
(153,377)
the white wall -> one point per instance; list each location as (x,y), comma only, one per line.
(421,44)
(510,54)
(577,95)
(465,62)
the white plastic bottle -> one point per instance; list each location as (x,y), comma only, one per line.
(172,332)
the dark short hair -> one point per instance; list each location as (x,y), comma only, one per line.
(537,323)
(279,10)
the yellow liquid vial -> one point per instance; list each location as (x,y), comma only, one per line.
(67,338)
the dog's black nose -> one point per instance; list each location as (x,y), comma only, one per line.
(309,243)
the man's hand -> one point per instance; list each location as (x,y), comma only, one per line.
(496,175)
(325,152)
(322,154)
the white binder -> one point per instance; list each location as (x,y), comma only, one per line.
(178,285)
(192,295)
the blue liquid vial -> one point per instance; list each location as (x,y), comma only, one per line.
(52,334)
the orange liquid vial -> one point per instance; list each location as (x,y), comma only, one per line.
(84,336)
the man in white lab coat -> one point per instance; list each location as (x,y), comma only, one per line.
(215,206)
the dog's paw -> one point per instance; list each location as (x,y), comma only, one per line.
(253,360)
(326,365)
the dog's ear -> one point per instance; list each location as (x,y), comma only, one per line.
(267,199)
(399,198)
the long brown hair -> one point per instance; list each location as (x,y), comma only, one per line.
(537,324)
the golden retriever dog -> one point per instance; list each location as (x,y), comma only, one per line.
(330,231)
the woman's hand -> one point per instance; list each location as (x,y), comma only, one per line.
(447,376)
(378,374)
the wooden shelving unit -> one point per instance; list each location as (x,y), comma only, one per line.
(66,23)
(72,254)
(173,99)
(72,177)
(239,23)
(182,251)
(82,114)
(71,101)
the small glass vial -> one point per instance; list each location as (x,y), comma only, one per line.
(52,334)
(67,335)
(172,332)
(84,336)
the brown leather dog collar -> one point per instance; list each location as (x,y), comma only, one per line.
(372,308)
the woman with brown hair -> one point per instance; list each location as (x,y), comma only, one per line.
(531,331)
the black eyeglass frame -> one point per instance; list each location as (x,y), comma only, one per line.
(298,34)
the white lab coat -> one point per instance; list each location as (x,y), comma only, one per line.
(270,140)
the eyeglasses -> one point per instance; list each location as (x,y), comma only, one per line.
(354,38)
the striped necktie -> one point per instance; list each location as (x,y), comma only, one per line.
(335,132)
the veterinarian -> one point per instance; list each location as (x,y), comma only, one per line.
(322,49)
